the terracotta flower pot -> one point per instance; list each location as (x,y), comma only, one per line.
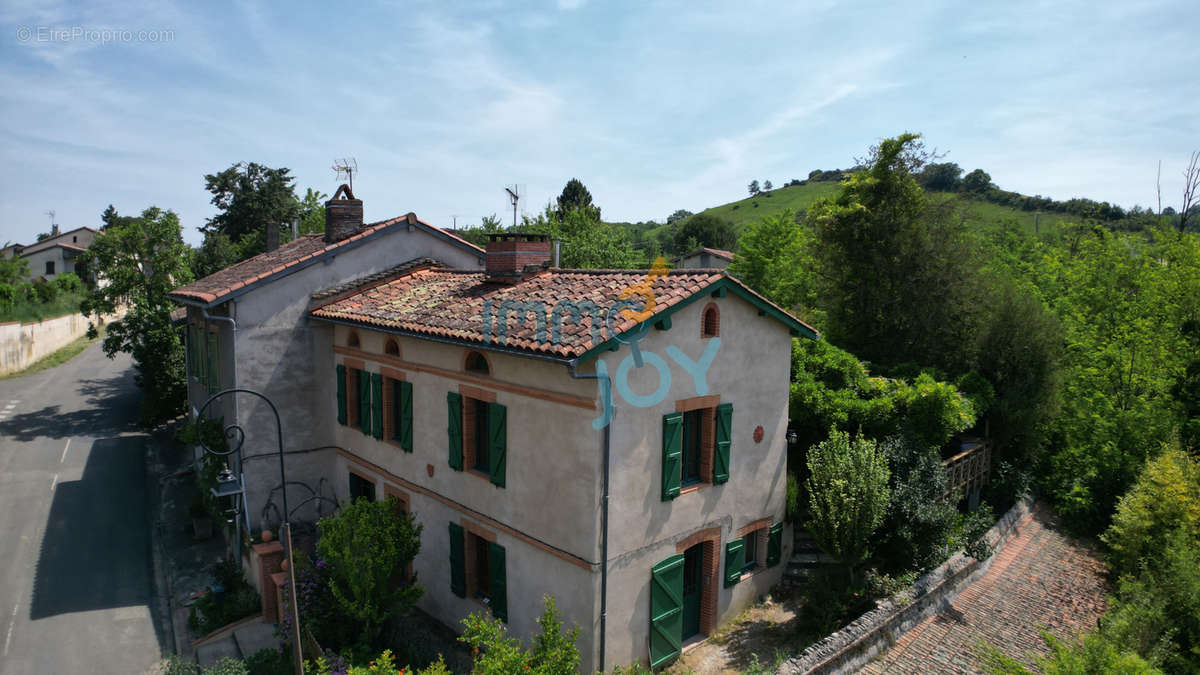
(267,536)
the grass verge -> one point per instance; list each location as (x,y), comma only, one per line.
(57,358)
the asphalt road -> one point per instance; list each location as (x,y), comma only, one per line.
(76,581)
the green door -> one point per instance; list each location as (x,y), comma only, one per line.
(692,563)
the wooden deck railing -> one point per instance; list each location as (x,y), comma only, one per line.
(968,470)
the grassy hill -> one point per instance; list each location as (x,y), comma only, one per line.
(798,198)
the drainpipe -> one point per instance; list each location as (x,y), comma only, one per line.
(606,402)
(236,420)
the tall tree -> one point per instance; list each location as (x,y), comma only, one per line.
(941,177)
(678,216)
(575,197)
(312,212)
(587,243)
(704,229)
(899,275)
(977,181)
(767,186)
(142,259)
(753,187)
(774,259)
(251,198)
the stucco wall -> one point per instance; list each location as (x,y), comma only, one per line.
(750,370)
(37,263)
(275,351)
(23,343)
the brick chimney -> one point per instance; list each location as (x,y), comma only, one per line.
(272,236)
(513,255)
(343,215)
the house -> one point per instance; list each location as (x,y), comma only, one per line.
(55,254)
(615,439)
(247,326)
(704,258)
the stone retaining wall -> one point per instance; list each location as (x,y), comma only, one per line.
(857,643)
(21,344)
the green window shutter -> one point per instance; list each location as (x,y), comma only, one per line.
(497,441)
(499,596)
(406,417)
(214,379)
(364,401)
(341,393)
(724,441)
(455,429)
(377,405)
(774,544)
(458,572)
(672,454)
(734,562)
(666,610)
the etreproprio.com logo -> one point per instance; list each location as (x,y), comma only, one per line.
(637,303)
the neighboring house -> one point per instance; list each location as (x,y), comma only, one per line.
(247,326)
(56,254)
(704,258)
(470,396)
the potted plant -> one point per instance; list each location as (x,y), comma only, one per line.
(202,524)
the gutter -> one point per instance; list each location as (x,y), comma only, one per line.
(606,402)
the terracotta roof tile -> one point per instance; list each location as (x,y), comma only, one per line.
(290,255)
(449,303)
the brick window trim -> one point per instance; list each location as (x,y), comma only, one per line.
(405,500)
(710,329)
(365,476)
(708,436)
(392,347)
(469,396)
(472,528)
(710,564)
(389,433)
(761,528)
(352,339)
(467,357)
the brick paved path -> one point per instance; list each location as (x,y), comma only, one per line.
(1042,579)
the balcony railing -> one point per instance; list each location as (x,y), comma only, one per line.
(968,470)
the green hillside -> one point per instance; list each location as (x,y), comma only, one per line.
(979,213)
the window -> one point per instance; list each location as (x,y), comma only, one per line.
(49,267)
(352,340)
(478,434)
(750,549)
(696,445)
(392,348)
(476,363)
(361,488)
(360,400)
(477,568)
(710,324)
(693,442)
(74,239)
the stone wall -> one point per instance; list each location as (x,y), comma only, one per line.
(23,343)
(857,643)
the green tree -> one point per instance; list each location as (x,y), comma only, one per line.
(848,495)
(364,544)
(251,197)
(479,235)
(587,242)
(767,187)
(312,212)
(774,258)
(14,269)
(575,197)
(978,181)
(705,230)
(941,177)
(753,187)
(899,275)
(495,653)
(141,261)
(678,216)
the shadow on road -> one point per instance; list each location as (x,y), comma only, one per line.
(111,406)
(96,548)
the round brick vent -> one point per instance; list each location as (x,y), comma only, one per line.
(758,434)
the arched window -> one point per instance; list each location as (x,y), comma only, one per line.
(476,363)
(710,324)
(392,348)
(352,341)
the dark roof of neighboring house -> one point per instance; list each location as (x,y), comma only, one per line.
(293,257)
(447,304)
(719,252)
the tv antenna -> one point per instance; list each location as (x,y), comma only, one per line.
(514,196)
(347,166)
(455,216)
(51,214)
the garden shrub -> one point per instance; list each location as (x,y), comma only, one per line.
(1165,498)
(44,291)
(493,652)
(973,532)
(363,545)
(848,495)
(920,520)
(68,283)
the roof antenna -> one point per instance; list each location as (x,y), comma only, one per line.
(347,166)
(514,195)
(51,214)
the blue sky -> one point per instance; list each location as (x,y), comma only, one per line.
(655,106)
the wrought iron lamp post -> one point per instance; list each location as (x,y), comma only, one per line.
(230,486)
